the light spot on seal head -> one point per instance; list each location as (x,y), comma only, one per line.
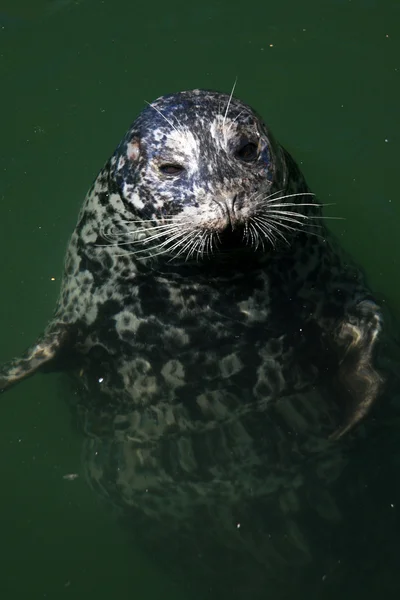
(133,150)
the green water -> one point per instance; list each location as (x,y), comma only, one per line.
(73,75)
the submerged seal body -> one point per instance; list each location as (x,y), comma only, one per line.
(220,340)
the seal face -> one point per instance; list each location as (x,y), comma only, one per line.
(220,338)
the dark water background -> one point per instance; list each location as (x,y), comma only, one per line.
(73,75)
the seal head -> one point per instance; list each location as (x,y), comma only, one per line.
(198,174)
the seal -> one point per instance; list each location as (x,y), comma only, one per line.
(222,343)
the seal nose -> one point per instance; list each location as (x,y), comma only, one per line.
(229,218)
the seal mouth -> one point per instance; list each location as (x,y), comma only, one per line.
(232,238)
(239,239)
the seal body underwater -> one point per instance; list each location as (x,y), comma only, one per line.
(223,346)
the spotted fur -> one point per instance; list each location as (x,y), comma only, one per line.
(219,337)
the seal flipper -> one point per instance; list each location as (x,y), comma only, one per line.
(46,349)
(361,382)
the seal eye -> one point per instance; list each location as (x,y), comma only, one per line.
(170,169)
(248,152)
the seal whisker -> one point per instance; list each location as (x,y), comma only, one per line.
(270,233)
(277,222)
(289,213)
(161,234)
(263,197)
(289,216)
(149,227)
(255,237)
(273,194)
(195,246)
(252,235)
(289,204)
(234,120)
(186,240)
(296,204)
(186,243)
(143,240)
(158,228)
(280,216)
(178,235)
(104,232)
(203,243)
(229,103)
(273,227)
(277,218)
(163,116)
(164,231)
(246,236)
(327,217)
(152,220)
(207,244)
(303,216)
(269,199)
(164,245)
(273,201)
(150,254)
(210,242)
(261,226)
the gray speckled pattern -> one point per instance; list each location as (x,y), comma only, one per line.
(219,336)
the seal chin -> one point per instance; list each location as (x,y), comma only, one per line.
(232,238)
(237,240)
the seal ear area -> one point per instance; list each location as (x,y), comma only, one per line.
(133,150)
(359,382)
(123,169)
(43,355)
